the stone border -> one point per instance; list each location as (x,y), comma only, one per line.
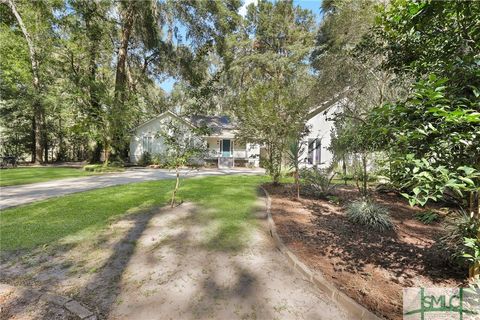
(316,278)
(67,303)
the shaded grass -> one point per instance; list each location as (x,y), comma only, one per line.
(226,202)
(16,176)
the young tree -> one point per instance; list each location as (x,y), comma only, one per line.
(183,147)
(294,158)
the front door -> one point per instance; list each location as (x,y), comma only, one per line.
(226,148)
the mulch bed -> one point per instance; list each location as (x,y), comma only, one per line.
(371,267)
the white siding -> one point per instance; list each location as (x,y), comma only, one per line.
(149,131)
(320,129)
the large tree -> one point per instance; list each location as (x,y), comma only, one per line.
(269,76)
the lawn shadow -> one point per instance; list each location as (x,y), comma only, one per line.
(105,284)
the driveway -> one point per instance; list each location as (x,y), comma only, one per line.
(163,265)
(22,194)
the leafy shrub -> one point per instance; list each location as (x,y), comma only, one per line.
(460,226)
(369,214)
(471,252)
(160,160)
(103,168)
(145,159)
(427,217)
(317,181)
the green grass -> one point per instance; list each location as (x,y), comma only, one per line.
(227,202)
(16,176)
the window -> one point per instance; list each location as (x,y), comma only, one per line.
(147,144)
(318,152)
(314,151)
(311,151)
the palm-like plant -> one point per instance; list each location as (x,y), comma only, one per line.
(294,158)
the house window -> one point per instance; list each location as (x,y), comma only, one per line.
(147,144)
(318,152)
(311,151)
(314,151)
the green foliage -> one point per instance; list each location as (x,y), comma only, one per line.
(317,181)
(427,217)
(103,168)
(368,213)
(145,159)
(270,79)
(458,227)
(472,250)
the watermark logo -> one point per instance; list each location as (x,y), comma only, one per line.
(441,303)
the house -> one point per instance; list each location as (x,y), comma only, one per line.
(317,141)
(224,150)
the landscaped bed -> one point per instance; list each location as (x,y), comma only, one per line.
(371,267)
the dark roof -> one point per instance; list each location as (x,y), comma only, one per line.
(216,123)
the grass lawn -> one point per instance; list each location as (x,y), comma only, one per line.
(228,202)
(16,176)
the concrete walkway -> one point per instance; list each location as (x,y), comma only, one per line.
(23,194)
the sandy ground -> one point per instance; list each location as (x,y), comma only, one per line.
(162,265)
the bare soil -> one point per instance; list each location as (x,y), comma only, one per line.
(371,267)
(163,265)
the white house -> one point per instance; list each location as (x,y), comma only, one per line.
(224,149)
(316,143)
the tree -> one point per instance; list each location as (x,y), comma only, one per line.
(183,146)
(294,158)
(38,110)
(269,77)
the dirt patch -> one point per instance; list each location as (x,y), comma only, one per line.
(162,265)
(371,267)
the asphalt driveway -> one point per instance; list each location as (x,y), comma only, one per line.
(22,194)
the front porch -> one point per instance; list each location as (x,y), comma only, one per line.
(228,152)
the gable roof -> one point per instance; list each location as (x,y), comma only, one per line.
(218,124)
(336,100)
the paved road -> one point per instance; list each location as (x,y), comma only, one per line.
(22,194)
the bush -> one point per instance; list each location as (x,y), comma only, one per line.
(160,160)
(369,214)
(459,227)
(103,168)
(317,181)
(427,217)
(145,159)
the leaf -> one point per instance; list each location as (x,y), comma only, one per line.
(467,180)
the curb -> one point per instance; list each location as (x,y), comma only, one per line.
(316,278)
(67,303)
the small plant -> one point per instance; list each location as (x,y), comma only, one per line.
(370,214)
(471,254)
(145,159)
(317,181)
(459,227)
(427,217)
(333,199)
(102,168)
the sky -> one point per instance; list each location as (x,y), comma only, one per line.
(313,5)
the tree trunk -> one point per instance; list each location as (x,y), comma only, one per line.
(38,112)
(365,174)
(177,182)
(297,182)
(128,18)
